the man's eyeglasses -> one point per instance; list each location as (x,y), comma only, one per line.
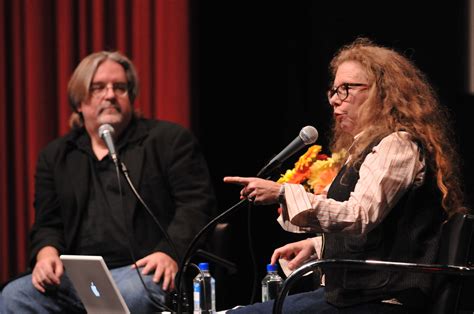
(98,90)
(342,90)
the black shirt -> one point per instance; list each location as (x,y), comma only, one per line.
(166,166)
(105,228)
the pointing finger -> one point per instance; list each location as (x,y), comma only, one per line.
(237,180)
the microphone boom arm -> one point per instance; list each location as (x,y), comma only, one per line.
(191,248)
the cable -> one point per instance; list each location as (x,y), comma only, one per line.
(160,306)
(191,248)
(252,253)
(132,187)
(250,243)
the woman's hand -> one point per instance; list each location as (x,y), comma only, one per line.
(257,190)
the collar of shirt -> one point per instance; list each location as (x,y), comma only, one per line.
(81,140)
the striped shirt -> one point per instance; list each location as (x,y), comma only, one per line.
(388,171)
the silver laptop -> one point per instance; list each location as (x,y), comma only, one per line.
(94,284)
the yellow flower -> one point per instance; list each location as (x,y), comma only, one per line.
(305,161)
(313,170)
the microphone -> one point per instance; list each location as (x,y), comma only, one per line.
(308,135)
(106,132)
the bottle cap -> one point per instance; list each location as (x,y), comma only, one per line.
(272,267)
(204,266)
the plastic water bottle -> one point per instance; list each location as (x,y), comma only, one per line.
(204,291)
(271,283)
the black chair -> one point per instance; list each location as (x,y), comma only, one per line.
(453,283)
(218,250)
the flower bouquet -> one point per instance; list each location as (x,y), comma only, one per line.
(314,170)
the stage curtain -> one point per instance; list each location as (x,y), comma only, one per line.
(41,42)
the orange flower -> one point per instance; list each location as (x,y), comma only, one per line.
(313,170)
(325,178)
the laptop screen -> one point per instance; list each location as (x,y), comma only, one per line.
(94,284)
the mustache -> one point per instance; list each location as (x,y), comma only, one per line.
(107,105)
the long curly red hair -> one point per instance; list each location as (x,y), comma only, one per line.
(400,98)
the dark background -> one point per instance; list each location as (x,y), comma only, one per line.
(260,74)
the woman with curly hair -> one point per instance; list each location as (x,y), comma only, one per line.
(398,186)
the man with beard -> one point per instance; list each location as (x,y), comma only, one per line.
(82,209)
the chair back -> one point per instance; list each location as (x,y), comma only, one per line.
(451,293)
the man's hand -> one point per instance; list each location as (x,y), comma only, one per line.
(48,269)
(164,266)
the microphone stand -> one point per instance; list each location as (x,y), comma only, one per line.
(269,169)
(264,172)
(191,248)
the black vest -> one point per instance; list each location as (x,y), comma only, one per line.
(409,233)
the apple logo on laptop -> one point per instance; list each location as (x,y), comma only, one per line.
(94,289)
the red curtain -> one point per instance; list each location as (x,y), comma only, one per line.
(41,42)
